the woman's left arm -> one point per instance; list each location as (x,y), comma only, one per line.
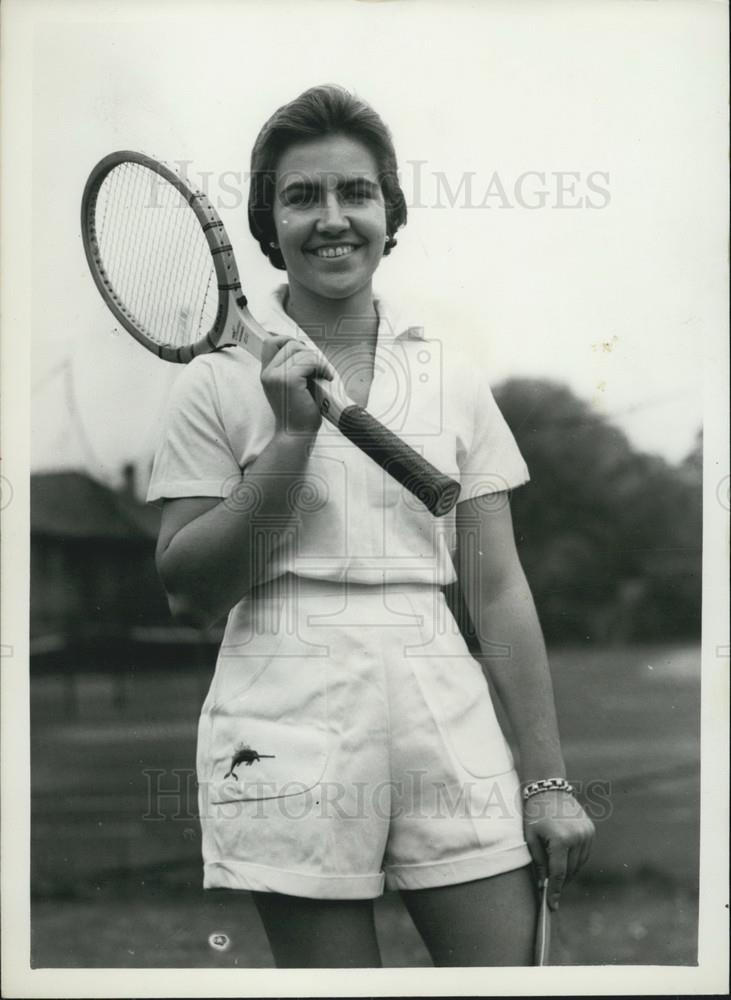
(499,601)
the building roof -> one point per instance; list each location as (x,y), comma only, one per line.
(73,505)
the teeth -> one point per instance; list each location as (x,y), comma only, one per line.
(334,251)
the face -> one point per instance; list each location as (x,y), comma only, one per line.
(330,216)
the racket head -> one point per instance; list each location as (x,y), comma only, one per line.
(159,255)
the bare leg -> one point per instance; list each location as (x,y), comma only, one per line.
(319,933)
(489,922)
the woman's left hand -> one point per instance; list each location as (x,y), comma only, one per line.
(559,835)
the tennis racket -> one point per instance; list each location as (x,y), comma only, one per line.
(542,944)
(163,263)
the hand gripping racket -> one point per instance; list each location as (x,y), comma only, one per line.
(163,263)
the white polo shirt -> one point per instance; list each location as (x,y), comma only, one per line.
(354,521)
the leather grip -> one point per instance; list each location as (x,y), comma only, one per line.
(436,491)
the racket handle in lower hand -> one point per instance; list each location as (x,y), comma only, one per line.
(542,943)
(436,491)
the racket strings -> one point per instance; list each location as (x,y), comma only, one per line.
(155,256)
(168,303)
(195,275)
(166,296)
(184,278)
(128,258)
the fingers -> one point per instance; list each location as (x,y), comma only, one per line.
(538,854)
(287,372)
(551,861)
(559,847)
(557,870)
(271,346)
(566,859)
(585,848)
(573,862)
(580,845)
(286,355)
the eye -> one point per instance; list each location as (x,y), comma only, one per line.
(357,193)
(300,196)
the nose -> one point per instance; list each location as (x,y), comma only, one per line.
(332,219)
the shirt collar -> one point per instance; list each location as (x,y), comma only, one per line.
(392,325)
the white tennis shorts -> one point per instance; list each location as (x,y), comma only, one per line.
(347,742)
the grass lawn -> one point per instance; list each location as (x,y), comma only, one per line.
(647,922)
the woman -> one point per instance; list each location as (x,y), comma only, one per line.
(348,741)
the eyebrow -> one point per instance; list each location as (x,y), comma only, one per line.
(347,182)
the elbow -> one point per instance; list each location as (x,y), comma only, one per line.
(194,597)
(188,606)
(191,613)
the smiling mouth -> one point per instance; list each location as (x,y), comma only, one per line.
(332,252)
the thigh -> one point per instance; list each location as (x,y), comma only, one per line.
(319,933)
(489,921)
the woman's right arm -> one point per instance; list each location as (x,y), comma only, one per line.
(212,551)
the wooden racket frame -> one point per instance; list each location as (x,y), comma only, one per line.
(224,263)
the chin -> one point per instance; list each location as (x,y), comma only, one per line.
(340,287)
(341,291)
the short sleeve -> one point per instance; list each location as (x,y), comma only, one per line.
(492,461)
(194,455)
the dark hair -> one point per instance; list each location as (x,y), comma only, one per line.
(320,111)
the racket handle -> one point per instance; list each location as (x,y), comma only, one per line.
(436,491)
(542,943)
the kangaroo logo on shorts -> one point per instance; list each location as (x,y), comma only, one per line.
(244,755)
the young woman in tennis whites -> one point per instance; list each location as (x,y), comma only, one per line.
(348,742)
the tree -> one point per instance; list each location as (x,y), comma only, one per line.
(609,537)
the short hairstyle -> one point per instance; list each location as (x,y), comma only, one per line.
(320,111)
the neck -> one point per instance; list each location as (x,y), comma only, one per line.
(333,321)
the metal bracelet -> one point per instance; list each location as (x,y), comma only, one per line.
(547,785)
